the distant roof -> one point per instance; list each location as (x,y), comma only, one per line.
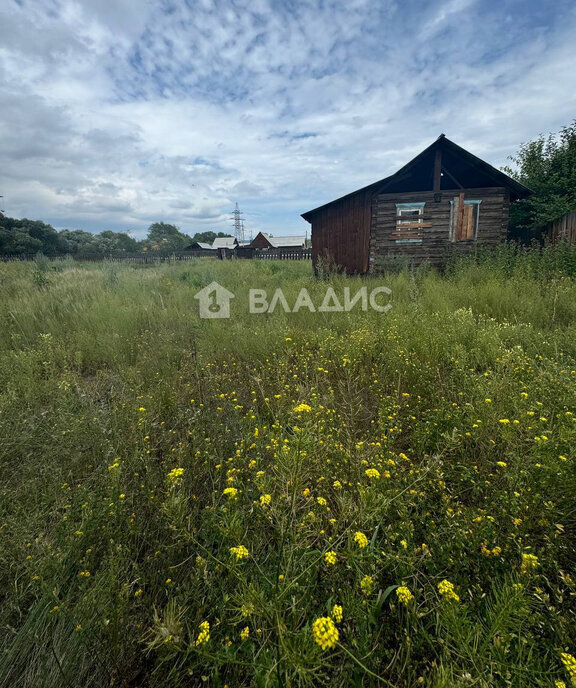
(224,242)
(461,169)
(203,245)
(286,241)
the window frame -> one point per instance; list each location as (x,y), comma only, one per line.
(414,214)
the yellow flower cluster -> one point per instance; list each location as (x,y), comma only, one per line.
(230,492)
(404,595)
(244,633)
(529,563)
(240,552)
(265,499)
(325,632)
(446,589)
(330,558)
(204,635)
(569,662)
(367,585)
(175,476)
(372,473)
(302,408)
(360,539)
(337,613)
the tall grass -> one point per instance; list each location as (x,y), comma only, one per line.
(443,431)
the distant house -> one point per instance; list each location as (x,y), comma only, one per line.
(445,199)
(263,240)
(199,246)
(225,242)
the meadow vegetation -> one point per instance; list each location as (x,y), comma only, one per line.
(303,499)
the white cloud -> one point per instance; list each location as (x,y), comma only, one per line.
(118,113)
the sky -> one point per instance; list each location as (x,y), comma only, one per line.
(118,113)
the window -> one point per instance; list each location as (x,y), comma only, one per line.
(464,216)
(409,223)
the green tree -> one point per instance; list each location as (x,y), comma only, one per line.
(28,236)
(79,242)
(114,242)
(166,237)
(547,166)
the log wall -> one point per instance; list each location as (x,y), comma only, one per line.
(435,228)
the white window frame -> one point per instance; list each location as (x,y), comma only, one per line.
(414,213)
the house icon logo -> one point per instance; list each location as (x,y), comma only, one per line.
(214,301)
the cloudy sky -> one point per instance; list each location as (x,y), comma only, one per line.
(118,113)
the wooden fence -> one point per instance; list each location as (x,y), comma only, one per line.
(562,229)
(120,257)
(283,254)
(152,258)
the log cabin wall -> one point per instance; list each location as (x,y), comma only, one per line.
(427,237)
(341,233)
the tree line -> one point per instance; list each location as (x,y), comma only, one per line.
(26,237)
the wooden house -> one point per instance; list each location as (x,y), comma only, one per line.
(225,242)
(444,200)
(263,240)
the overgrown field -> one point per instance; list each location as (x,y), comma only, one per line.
(288,499)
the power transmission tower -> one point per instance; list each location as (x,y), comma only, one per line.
(238,224)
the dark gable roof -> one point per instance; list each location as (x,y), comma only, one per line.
(461,169)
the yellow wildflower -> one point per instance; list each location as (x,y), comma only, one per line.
(569,662)
(175,476)
(360,539)
(372,473)
(230,492)
(247,609)
(240,552)
(330,558)
(244,633)
(204,635)
(404,595)
(325,632)
(367,585)
(337,613)
(321,501)
(446,589)
(302,408)
(529,563)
